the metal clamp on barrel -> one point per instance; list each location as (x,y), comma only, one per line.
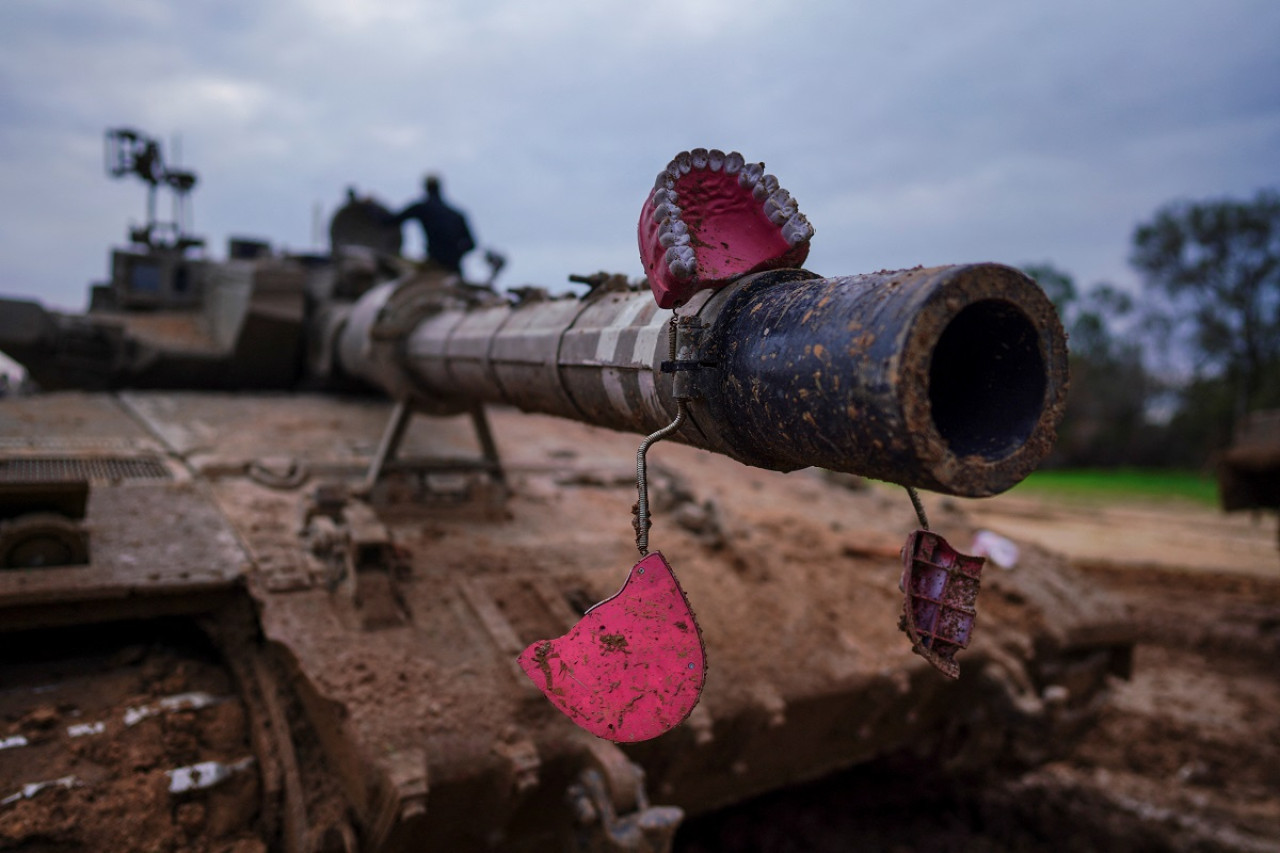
(686,348)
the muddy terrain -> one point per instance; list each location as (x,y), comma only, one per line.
(1185,755)
(147,744)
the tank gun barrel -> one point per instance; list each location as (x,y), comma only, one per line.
(951,378)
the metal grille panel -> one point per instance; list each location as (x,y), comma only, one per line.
(46,469)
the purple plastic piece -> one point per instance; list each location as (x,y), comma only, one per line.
(941,587)
(633,666)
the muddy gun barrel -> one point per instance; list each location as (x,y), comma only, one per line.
(951,378)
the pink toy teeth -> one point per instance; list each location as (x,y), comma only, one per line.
(633,666)
(941,587)
(712,217)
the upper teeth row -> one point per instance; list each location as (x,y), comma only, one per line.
(700,158)
(673,234)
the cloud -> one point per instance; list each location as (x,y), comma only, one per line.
(911,133)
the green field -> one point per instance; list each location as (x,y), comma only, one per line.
(1117,485)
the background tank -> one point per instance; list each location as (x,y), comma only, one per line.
(290,620)
(1249,470)
(171,317)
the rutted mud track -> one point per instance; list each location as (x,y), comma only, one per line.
(1185,755)
(125,727)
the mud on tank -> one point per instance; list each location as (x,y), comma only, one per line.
(271,549)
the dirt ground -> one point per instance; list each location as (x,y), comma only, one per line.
(1172,534)
(1186,753)
(118,740)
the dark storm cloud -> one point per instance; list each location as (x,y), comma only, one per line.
(918,133)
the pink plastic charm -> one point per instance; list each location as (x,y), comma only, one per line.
(633,667)
(941,585)
(712,217)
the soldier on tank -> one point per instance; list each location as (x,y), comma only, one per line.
(448,237)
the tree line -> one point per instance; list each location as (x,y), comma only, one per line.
(1164,377)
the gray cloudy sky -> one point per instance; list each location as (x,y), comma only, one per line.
(923,131)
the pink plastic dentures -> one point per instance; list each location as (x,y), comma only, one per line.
(713,217)
(633,667)
(941,587)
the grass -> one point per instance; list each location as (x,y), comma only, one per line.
(1122,484)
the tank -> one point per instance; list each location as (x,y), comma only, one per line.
(278,532)
(1249,469)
